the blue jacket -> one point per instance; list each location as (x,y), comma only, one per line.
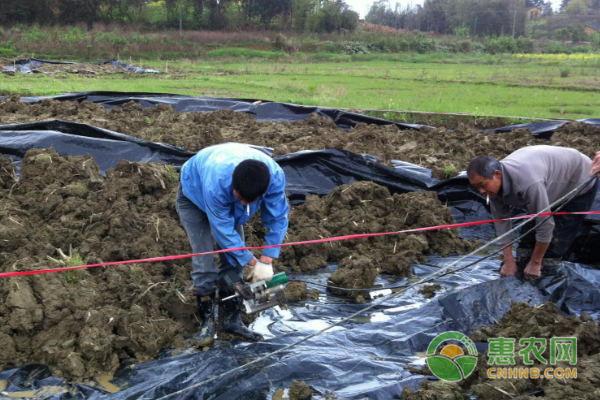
(206,181)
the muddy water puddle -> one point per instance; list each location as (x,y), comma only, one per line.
(105,382)
(281,394)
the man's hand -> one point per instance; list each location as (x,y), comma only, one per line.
(509,268)
(533,270)
(596,165)
(260,271)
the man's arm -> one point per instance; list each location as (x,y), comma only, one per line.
(502,211)
(537,195)
(274,214)
(510,266)
(222,225)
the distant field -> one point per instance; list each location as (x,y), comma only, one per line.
(549,86)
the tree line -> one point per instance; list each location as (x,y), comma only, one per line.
(473,17)
(299,15)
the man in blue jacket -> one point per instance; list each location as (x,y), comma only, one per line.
(221,188)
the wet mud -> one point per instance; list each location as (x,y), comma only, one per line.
(365,207)
(82,323)
(429,291)
(297,291)
(445,152)
(300,391)
(63,212)
(438,390)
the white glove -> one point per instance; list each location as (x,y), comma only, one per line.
(261,272)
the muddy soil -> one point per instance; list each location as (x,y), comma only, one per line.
(83,323)
(300,391)
(578,135)
(297,291)
(435,390)
(429,291)
(525,321)
(445,152)
(365,207)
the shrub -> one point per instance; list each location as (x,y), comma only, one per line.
(557,48)
(579,35)
(353,48)
(461,31)
(562,34)
(465,46)
(582,49)
(501,44)
(246,53)
(284,44)
(525,45)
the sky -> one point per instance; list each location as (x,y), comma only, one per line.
(362,6)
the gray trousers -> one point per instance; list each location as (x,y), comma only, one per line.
(205,274)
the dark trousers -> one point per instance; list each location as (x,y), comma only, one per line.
(565,229)
(205,274)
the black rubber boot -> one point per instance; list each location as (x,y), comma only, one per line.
(206,309)
(231,318)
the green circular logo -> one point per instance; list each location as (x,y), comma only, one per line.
(448,360)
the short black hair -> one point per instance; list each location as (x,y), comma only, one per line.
(251,179)
(483,166)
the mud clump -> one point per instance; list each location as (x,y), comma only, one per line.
(300,391)
(354,273)
(297,291)
(365,207)
(85,322)
(429,291)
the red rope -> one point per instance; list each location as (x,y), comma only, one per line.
(332,239)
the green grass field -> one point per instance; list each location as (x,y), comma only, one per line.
(542,87)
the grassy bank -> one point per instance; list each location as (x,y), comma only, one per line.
(124,41)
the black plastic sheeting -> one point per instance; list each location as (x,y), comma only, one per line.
(367,358)
(541,129)
(264,110)
(131,68)
(30,66)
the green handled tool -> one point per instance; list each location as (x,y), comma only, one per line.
(262,295)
